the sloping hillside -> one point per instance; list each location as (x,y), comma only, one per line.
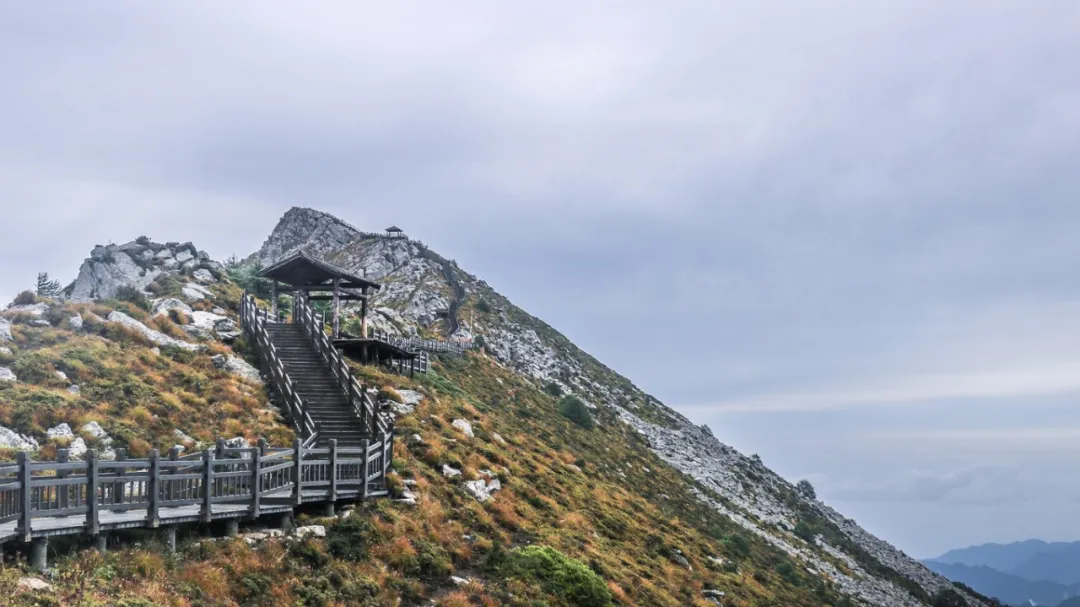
(527,472)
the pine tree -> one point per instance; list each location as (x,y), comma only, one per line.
(47,288)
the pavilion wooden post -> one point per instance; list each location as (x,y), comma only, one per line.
(273,300)
(337,308)
(363,314)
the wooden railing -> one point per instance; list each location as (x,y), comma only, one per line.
(61,496)
(314,323)
(418,344)
(254,321)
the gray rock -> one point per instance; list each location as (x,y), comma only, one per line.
(13,440)
(498,438)
(237,366)
(238,442)
(164,305)
(76,323)
(203,275)
(450,472)
(410,397)
(36,310)
(464,426)
(194,292)
(313,530)
(77,449)
(61,375)
(183,438)
(155,337)
(33,584)
(482,490)
(416,439)
(400,409)
(108,269)
(40,323)
(60,431)
(5,330)
(74,389)
(7,374)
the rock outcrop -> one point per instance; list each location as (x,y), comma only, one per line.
(135,264)
(154,337)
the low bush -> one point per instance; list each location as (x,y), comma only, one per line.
(557,574)
(25,298)
(575,410)
(132,295)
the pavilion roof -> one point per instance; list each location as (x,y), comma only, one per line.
(303,270)
(394,229)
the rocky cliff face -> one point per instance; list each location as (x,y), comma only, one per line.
(417,297)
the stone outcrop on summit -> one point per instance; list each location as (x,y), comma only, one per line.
(136,264)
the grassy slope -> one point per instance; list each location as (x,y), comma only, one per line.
(596,495)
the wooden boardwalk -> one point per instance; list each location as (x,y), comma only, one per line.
(43,499)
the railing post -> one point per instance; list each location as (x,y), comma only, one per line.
(256,477)
(208,483)
(118,487)
(152,486)
(333,470)
(298,472)
(364,469)
(92,526)
(63,456)
(170,488)
(24,492)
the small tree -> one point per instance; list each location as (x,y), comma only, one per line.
(575,410)
(806,490)
(947,597)
(47,288)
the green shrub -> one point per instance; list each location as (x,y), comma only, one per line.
(553,389)
(483,306)
(133,296)
(575,410)
(349,539)
(559,575)
(947,597)
(25,298)
(804,531)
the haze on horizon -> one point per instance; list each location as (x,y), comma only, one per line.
(847,230)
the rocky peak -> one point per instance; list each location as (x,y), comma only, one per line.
(315,232)
(137,264)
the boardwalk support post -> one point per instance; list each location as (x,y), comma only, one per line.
(63,456)
(92,526)
(232,527)
(101,543)
(207,486)
(25,514)
(39,550)
(168,534)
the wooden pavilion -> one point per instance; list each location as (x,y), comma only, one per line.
(395,232)
(316,280)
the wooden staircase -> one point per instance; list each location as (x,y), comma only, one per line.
(324,400)
(313,379)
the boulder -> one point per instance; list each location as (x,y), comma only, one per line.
(416,439)
(60,431)
(5,330)
(155,337)
(61,376)
(164,305)
(482,490)
(110,268)
(237,442)
(36,310)
(33,584)
(498,438)
(410,397)
(313,530)
(40,323)
(76,323)
(77,449)
(13,440)
(237,366)
(94,429)
(204,276)
(194,292)
(7,374)
(464,426)
(400,409)
(74,389)
(450,472)
(183,438)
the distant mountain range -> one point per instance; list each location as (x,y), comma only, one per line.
(1031,571)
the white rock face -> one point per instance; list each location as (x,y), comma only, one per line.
(76,323)
(410,397)
(307,229)
(77,449)
(60,431)
(194,292)
(450,472)
(36,310)
(203,276)
(482,490)
(464,426)
(13,440)
(210,325)
(237,366)
(5,330)
(164,305)
(7,374)
(155,337)
(312,530)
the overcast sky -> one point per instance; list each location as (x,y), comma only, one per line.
(853,228)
